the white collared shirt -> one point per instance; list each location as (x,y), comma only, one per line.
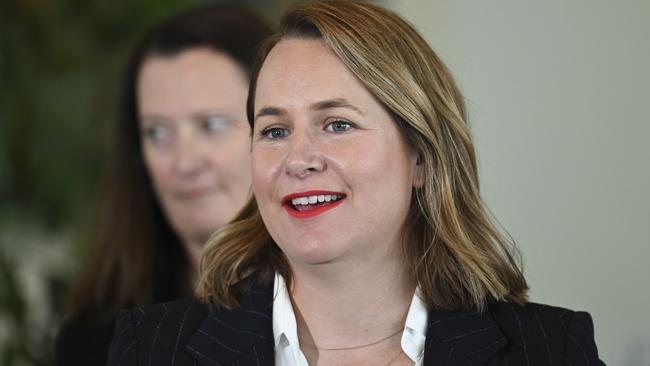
(285,331)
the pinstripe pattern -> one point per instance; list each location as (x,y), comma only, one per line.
(189,333)
(235,329)
(178,336)
(546,341)
(213,362)
(521,334)
(155,335)
(126,351)
(257,357)
(218,342)
(124,328)
(473,332)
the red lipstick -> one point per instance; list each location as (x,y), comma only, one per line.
(305,211)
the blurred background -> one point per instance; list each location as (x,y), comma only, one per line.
(557,92)
(60,69)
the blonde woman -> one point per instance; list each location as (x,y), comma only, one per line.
(367,242)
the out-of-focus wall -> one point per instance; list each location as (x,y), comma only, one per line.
(558,93)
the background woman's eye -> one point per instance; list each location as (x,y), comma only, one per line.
(157,134)
(276,132)
(339,126)
(154,132)
(215,123)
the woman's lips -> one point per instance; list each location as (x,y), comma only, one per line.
(309,204)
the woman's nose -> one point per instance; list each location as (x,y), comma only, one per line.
(190,158)
(304,156)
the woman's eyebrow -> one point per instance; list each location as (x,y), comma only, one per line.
(318,106)
(271,111)
(202,115)
(335,103)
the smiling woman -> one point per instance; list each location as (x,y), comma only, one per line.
(336,139)
(367,241)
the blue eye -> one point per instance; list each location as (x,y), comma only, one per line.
(338,126)
(274,133)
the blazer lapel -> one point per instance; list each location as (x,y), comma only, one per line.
(240,337)
(461,338)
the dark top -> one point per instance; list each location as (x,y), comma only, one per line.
(186,332)
(82,343)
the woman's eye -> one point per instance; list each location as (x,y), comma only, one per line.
(155,132)
(338,126)
(158,134)
(275,133)
(215,124)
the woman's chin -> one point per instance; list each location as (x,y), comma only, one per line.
(314,256)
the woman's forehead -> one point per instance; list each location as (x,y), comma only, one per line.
(304,72)
(296,56)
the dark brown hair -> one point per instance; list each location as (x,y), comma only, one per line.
(137,258)
(453,248)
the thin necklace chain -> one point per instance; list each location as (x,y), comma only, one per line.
(361,346)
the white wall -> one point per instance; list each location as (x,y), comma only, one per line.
(559,96)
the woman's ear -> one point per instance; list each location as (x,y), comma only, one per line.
(418,173)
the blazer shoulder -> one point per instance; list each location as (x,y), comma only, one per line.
(557,319)
(546,332)
(147,333)
(505,311)
(173,309)
(80,342)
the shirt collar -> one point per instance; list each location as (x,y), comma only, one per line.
(415,328)
(284,319)
(285,329)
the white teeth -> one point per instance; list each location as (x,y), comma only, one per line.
(310,200)
(300,201)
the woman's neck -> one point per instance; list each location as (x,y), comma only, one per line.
(341,305)
(193,252)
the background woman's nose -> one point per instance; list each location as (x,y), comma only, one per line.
(189,157)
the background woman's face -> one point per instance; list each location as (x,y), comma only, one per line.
(195,138)
(332,175)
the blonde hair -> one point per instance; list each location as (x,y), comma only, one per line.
(452,247)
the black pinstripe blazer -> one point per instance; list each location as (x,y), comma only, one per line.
(187,332)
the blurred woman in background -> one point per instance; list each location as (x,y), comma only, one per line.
(178,170)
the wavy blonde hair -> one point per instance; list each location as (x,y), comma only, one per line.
(453,248)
